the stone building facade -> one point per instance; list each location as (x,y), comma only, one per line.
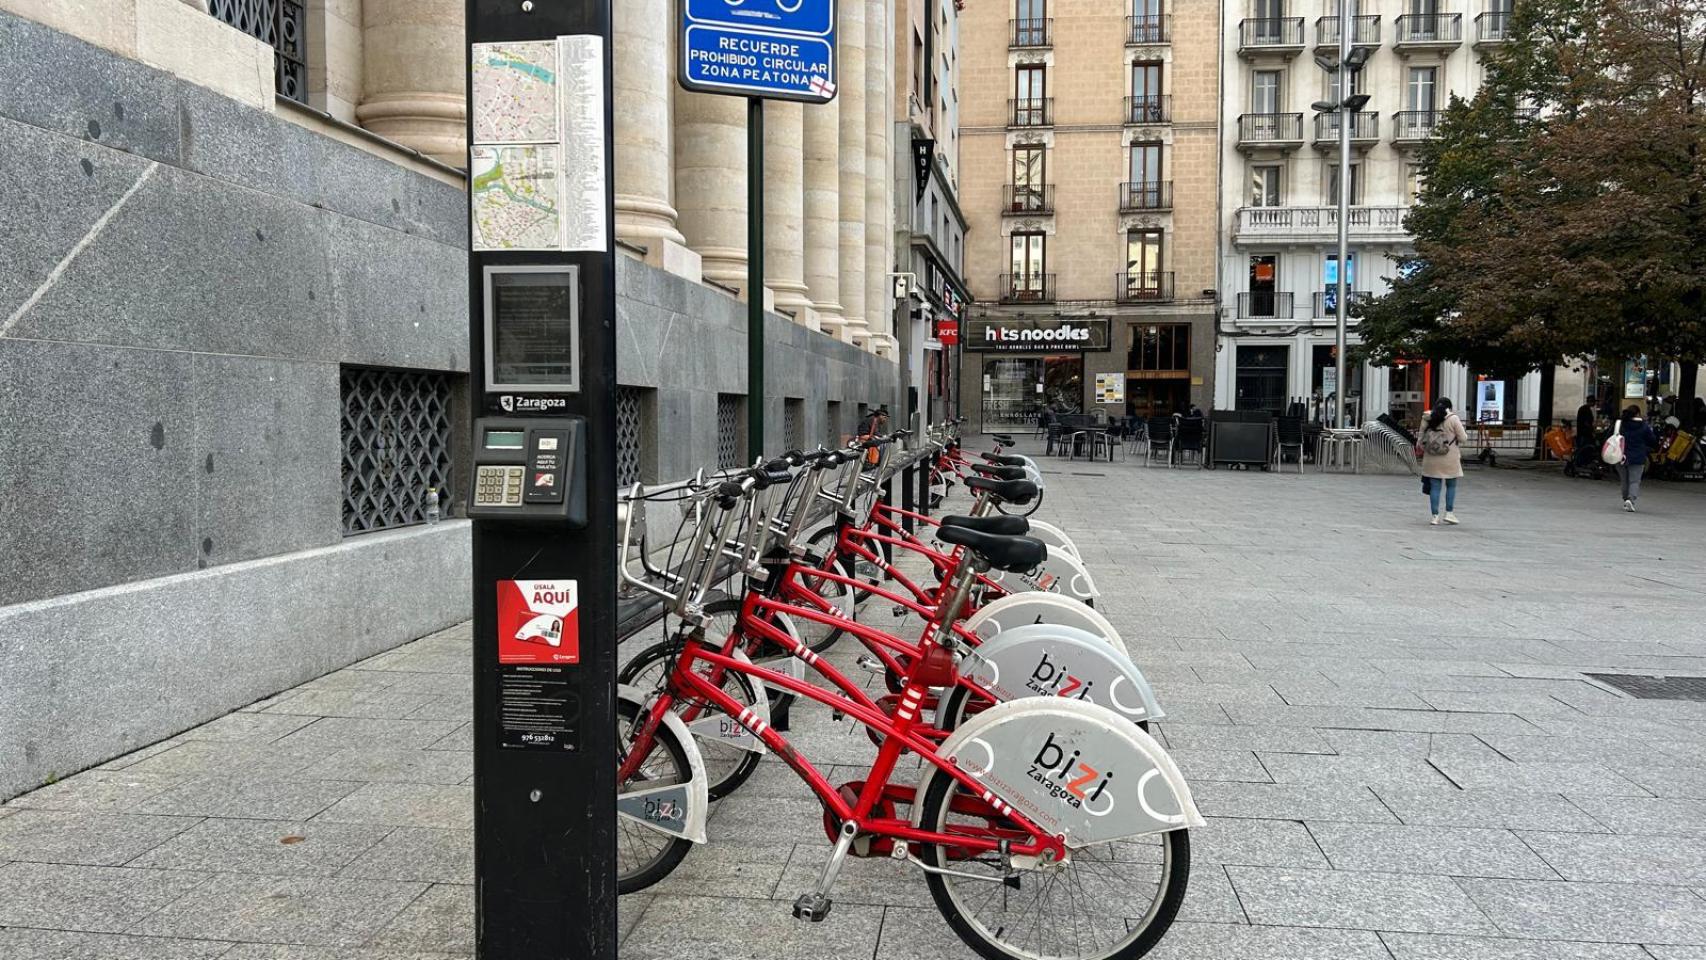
(1089,145)
(233,349)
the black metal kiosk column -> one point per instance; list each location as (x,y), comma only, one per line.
(543,378)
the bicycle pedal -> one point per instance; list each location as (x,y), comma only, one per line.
(870,664)
(899,611)
(812,906)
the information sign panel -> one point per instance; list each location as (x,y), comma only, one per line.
(772,49)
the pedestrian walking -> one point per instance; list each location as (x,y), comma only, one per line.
(1441,449)
(1639,441)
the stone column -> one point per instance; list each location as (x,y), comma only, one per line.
(823,212)
(852,162)
(710,180)
(879,189)
(413,72)
(644,136)
(784,213)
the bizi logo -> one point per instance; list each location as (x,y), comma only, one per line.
(1071,779)
(1052,680)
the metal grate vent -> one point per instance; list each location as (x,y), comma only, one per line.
(729,453)
(1655,688)
(396,435)
(282,25)
(630,436)
(794,424)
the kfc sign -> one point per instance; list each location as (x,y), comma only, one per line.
(1040,335)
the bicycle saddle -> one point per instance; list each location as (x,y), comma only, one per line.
(999,525)
(1000,473)
(1004,459)
(1002,438)
(1013,554)
(1018,492)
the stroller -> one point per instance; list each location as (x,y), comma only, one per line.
(1580,459)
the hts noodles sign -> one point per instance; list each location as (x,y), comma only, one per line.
(776,49)
(1041,335)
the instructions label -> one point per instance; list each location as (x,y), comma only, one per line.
(538,708)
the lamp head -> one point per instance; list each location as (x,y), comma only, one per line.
(1329,64)
(1324,106)
(1358,57)
(1355,102)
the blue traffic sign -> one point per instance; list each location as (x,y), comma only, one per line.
(774,49)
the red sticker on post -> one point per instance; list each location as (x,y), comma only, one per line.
(539,621)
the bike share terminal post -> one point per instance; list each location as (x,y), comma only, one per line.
(542,488)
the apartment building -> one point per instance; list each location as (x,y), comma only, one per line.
(1279,256)
(1088,142)
(930,226)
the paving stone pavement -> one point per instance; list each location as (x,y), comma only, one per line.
(1388,726)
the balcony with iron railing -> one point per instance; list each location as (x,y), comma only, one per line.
(1492,28)
(1146,196)
(1429,31)
(1026,288)
(1281,36)
(1030,33)
(1150,109)
(1317,225)
(1270,130)
(1027,199)
(1365,129)
(282,25)
(1154,28)
(1365,32)
(1413,127)
(1151,286)
(1031,112)
(1326,302)
(1264,305)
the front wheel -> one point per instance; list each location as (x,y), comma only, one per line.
(726,765)
(645,855)
(1109,901)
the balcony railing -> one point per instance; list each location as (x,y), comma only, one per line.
(1027,288)
(1264,305)
(1030,33)
(1416,30)
(1153,109)
(1033,112)
(1270,129)
(1153,286)
(1326,301)
(1492,27)
(281,24)
(1027,199)
(1414,126)
(1146,196)
(1365,31)
(1365,126)
(1270,35)
(1156,28)
(1318,225)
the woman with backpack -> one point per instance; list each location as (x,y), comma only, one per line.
(1628,449)
(1441,449)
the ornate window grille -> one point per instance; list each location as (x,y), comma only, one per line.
(794,424)
(832,425)
(729,428)
(631,431)
(281,24)
(396,435)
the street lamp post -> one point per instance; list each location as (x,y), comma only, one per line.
(1346,106)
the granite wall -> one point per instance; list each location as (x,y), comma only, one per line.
(181,279)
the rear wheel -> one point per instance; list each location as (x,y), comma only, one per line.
(1109,901)
(644,855)
(823,543)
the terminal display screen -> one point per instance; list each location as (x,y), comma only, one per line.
(532,328)
(505,439)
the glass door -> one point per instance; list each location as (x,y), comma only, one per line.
(1143,264)
(1028,281)
(1146,102)
(1144,188)
(1264,282)
(1028,177)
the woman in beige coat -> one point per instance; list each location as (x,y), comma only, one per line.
(1441,449)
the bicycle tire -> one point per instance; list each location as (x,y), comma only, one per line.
(669,856)
(820,544)
(1176,868)
(731,606)
(726,767)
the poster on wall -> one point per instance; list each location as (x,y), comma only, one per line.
(1635,379)
(1490,401)
(1110,388)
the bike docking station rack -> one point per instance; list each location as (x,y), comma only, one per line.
(542,484)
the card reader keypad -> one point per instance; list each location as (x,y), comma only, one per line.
(498,485)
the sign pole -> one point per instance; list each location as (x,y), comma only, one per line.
(754,276)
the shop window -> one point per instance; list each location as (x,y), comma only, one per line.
(1261,377)
(1161,349)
